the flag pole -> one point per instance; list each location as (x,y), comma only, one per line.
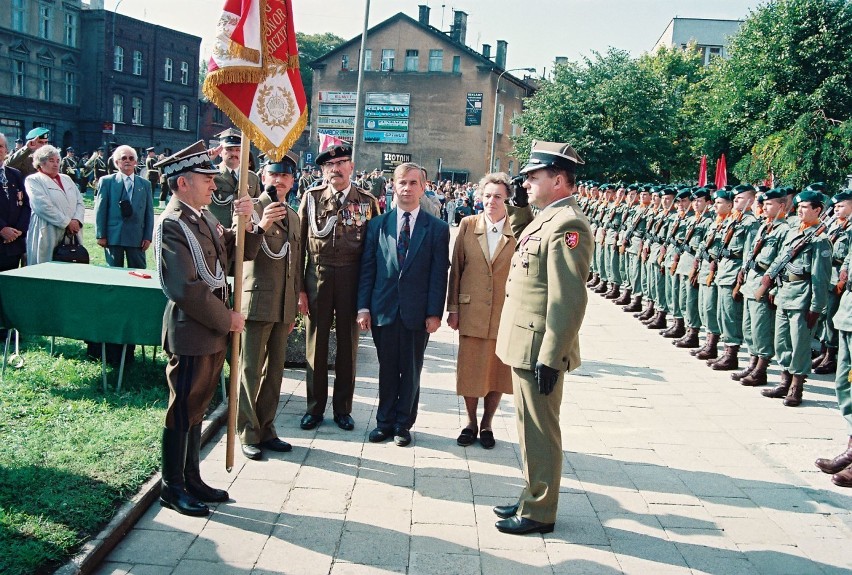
(239,249)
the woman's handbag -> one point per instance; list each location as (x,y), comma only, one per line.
(70,251)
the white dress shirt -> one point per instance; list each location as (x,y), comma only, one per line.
(493,232)
(400,220)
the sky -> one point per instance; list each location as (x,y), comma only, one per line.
(537,31)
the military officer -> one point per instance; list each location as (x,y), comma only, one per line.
(96,166)
(758,315)
(675,236)
(804,266)
(153,174)
(69,166)
(612,256)
(656,255)
(22,159)
(193,253)
(649,286)
(228,178)
(551,260)
(633,244)
(684,262)
(333,218)
(271,286)
(841,466)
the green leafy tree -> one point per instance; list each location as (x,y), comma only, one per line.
(783,99)
(312,47)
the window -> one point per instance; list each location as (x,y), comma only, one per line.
(184,73)
(499,121)
(71,30)
(168,70)
(344,62)
(496,164)
(412,60)
(183,120)
(70,88)
(19,15)
(167,115)
(509,169)
(44,83)
(436,60)
(118,108)
(368,60)
(118,59)
(19,72)
(712,52)
(45,18)
(456,64)
(136,105)
(516,129)
(387,60)
(137,63)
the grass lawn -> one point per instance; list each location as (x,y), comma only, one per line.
(71,454)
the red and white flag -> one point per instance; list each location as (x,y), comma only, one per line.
(328,141)
(253,75)
(702,172)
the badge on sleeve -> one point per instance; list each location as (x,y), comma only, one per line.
(572,239)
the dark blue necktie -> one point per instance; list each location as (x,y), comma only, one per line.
(404,239)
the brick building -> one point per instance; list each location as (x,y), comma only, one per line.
(427,96)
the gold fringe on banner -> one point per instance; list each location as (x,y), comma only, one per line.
(243,53)
(234,75)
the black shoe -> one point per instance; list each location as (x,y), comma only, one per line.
(506,511)
(486,439)
(276,444)
(521,525)
(252,452)
(345,422)
(466,437)
(401,437)
(176,497)
(310,421)
(378,435)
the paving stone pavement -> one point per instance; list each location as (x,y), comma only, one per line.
(669,467)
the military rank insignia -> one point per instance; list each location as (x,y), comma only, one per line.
(572,239)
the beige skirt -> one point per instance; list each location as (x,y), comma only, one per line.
(479,370)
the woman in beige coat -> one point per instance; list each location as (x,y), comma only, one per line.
(481,260)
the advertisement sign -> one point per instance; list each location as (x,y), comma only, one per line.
(328,97)
(388,99)
(380,111)
(389,137)
(390,160)
(336,122)
(385,124)
(343,134)
(473,109)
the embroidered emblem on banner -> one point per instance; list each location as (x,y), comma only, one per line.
(572,239)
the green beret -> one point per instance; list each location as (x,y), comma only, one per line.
(669,191)
(711,187)
(701,193)
(684,193)
(774,194)
(633,187)
(742,188)
(727,195)
(811,196)
(841,195)
(762,189)
(760,197)
(815,187)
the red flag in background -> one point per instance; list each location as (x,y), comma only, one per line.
(328,141)
(702,172)
(770,180)
(253,75)
(721,173)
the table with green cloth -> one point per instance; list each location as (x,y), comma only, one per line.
(85,302)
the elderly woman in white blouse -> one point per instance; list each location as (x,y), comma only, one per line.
(57,207)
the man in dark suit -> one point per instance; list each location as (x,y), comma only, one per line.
(14,213)
(401,294)
(124,212)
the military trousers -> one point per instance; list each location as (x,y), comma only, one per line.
(262,356)
(650,276)
(842,386)
(689,302)
(613,263)
(793,340)
(635,266)
(192,380)
(624,267)
(332,297)
(662,297)
(759,328)
(600,260)
(828,334)
(540,440)
(730,315)
(673,293)
(595,268)
(708,307)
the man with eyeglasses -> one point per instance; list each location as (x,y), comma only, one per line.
(333,218)
(22,159)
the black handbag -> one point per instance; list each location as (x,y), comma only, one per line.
(71,251)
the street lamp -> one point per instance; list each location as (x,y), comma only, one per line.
(494,123)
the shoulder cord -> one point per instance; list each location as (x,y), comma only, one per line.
(214,282)
(329,224)
(282,253)
(224,202)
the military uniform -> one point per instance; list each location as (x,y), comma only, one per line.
(633,245)
(271,286)
(839,237)
(96,168)
(153,176)
(69,167)
(685,254)
(227,188)
(538,338)
(612,257)
(675,237)
(333,228)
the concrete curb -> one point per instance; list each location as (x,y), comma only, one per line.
(94,551)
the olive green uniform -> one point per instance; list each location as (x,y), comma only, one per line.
(843,323)
(729,260)
(227,188)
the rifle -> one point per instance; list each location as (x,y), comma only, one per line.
(669,240)
(749,264)
(770,279)
(844,275)
(690,231)
(632,229)
(714,265)
(702,253)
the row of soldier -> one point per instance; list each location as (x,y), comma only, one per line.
(754,266)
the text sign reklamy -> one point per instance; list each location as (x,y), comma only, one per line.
(389,137)
(381,111)
(385,124)
(473,109)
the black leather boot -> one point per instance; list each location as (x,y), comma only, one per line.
(728,361)
(192,471)
(828,363)
(625,297)
(173,492)
(634,305)
(677,329)
(781,389)
(752,363)
(689,340)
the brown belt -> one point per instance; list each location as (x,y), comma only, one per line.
(797,277)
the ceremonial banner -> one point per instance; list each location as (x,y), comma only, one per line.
(253,75)
(702,172)
(721,173)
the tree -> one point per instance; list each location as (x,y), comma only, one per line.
(783,100)
(313,47)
